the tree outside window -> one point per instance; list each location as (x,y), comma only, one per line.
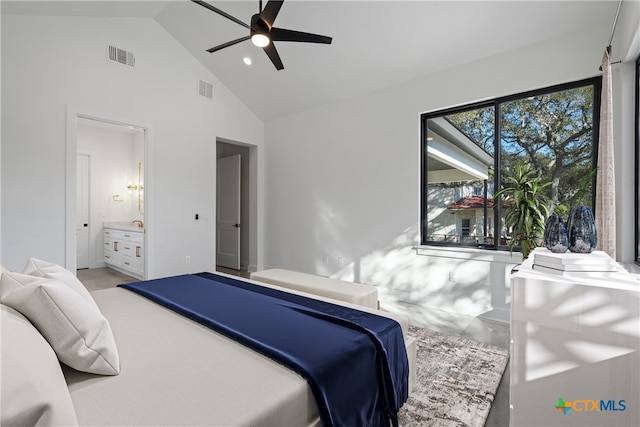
(550,130)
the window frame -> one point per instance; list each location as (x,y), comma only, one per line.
(637,161)
(596,82)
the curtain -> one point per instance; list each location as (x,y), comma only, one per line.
(605,214)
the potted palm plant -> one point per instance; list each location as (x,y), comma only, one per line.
(526,208)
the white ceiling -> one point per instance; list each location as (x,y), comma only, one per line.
(376,44)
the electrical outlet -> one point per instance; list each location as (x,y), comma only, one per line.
(187,260)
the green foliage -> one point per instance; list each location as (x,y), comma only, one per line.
(525,207)
(477,125)
(552,132)
(582,195)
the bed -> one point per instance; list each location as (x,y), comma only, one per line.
(172,371)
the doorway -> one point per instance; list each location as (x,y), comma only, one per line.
(225,206)
(228,212)
(110,159)
(82,212)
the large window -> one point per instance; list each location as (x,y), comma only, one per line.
(467,151)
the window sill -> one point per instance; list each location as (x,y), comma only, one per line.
(469,253)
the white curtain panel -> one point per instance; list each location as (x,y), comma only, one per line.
(605,214)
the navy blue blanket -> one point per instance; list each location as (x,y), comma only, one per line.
(355,363)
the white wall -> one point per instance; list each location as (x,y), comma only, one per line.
(343,190)
(0,138)
(52,65)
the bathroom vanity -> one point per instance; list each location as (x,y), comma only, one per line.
(124,248)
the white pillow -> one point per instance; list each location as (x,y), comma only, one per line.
(34,391)
(3,269)
(79,334)
(36,267)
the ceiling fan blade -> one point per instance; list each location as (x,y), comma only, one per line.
(283,35)
(272,53)
(227,44)
(221,13)
(270,11)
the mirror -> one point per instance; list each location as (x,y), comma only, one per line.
(140,187)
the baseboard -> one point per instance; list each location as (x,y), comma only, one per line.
(498,314)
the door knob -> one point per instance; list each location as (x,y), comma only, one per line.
(236,225)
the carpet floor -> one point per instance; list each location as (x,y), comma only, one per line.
(456,381)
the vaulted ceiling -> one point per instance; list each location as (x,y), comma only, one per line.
(376,44)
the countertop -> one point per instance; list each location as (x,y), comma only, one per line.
(124,226)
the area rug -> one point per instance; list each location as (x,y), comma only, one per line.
(456,381)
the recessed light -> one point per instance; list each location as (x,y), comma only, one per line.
(246,60)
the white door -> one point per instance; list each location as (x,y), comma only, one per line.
(82,212)
(228,212)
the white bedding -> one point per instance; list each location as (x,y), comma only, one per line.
(177,372)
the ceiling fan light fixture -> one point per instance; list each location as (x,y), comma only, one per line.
(260,39)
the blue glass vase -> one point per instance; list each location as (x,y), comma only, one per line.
(556,238)
(581,227)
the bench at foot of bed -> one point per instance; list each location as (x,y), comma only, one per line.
(354,293)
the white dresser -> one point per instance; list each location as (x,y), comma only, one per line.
(575,342)
(124,249)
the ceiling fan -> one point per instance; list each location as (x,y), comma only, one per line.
(262,32)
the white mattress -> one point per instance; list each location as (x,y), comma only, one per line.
(177,372)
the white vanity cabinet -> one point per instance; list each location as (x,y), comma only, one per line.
(575,343)
(124,250)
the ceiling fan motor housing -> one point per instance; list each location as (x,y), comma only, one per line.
(259,26)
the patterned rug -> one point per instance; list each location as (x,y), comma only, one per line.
(456,381)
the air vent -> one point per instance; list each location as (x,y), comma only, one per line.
(121,56)
(205,89)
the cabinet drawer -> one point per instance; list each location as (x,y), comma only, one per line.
(113,234)
(127,262)
(133,236)
(127,248)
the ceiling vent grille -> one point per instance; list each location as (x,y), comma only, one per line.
(121,56)
(205,89)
